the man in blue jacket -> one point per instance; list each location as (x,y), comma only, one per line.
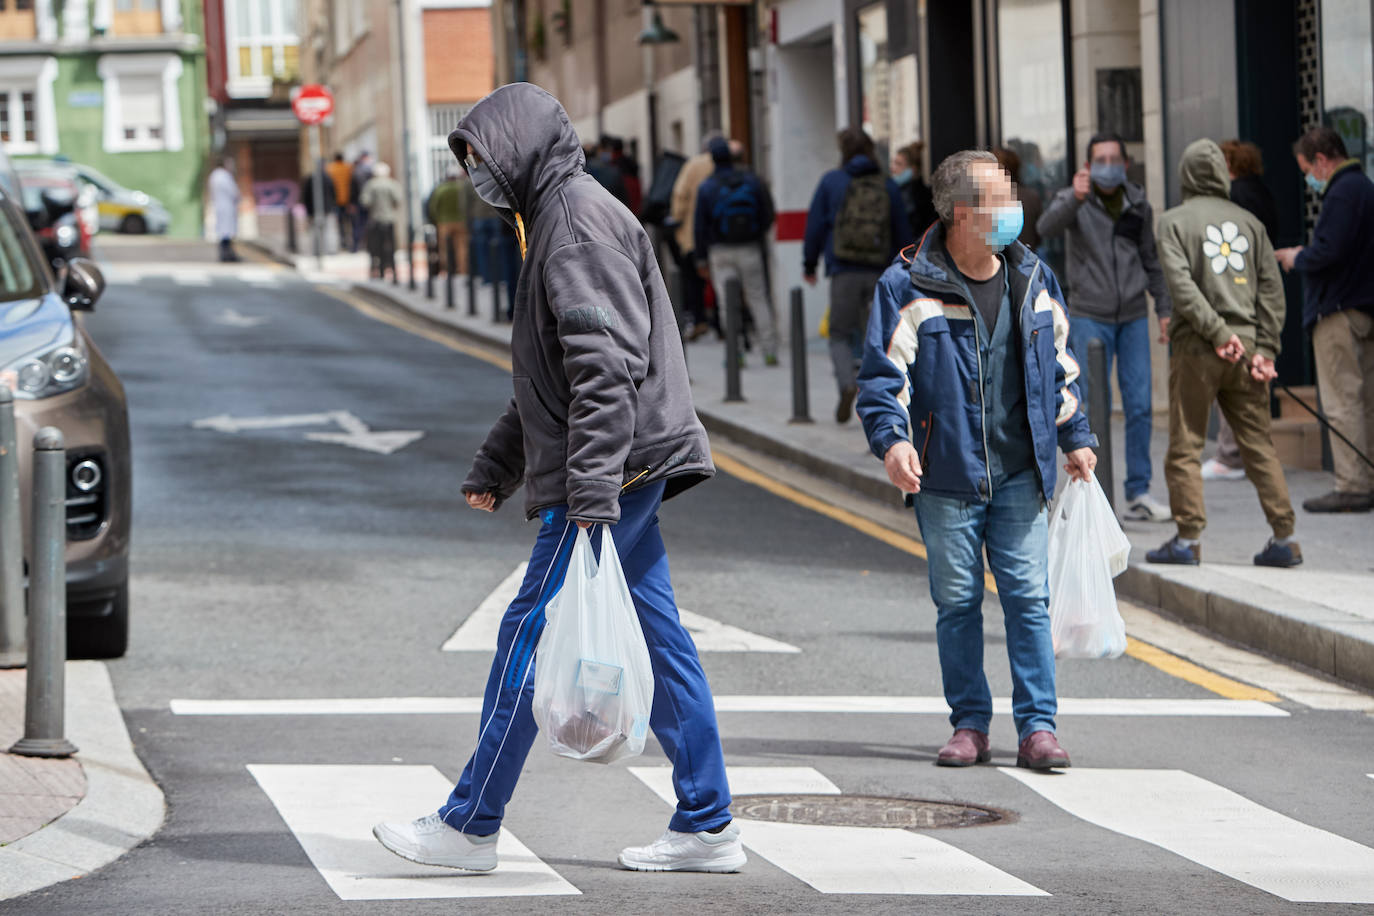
(966,389)
(1338,310)
(858,220)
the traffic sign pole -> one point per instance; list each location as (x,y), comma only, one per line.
(317,191)
(312,105)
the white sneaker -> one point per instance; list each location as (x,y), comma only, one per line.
(1213,469)
(1144,508)
(712,852)
(430,841)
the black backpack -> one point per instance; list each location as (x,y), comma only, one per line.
(863,226)
(737,215)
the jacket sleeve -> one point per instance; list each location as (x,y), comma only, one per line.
(701,229)
(1070,413)
(1190,304)
(597,298)
(817,229)
(1059,215)
(770,213)
(1272,305)
(500,463)
(1335,236)
(885,373)
(1154,274)
(901,222)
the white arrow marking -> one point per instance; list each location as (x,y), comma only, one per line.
(227,424)
(478,633)
(356,433)
(233,318)
(383,443)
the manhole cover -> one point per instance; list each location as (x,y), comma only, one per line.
(862,811)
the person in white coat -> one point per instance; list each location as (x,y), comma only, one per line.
(224,198)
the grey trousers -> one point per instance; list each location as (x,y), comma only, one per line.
(745,263)
(851,300)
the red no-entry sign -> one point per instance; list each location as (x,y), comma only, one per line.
(313,104)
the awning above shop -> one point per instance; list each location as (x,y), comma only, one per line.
(261,124)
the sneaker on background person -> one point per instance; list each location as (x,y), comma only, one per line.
(1214,469)
(1145,508)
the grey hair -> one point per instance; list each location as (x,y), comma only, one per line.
(953,186)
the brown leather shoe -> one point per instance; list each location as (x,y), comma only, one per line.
(1041,751)
(966,748)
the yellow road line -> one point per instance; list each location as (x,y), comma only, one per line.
(419,329)
(1151,655)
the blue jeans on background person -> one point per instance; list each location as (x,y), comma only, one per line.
(1014,526)
(1129,345)
(683,715)
(483,231)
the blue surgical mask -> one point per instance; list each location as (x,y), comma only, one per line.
(1315,183)
(902,177)
(1008,222)
(487,187)
(1108,176)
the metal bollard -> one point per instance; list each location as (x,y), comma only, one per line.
(431,262)
(472,278)
(1100,415)
(12,624)
(291,244)
(734,318)
(801,402)
(497,269)
(45,700)
(452,256)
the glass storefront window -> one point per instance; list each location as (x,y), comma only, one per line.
(874,87)
(1348,75)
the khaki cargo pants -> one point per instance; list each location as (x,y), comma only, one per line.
(1197,376)
(1343,344)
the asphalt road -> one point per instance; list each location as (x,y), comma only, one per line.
(267,565)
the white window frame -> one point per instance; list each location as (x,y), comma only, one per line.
(168,67)
(102,19)
(36,74)
(278,36)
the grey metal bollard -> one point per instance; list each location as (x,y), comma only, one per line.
(452,256)
(12,623)
(734,319)
(291,244)
(497,269)
(472,278)
(1100,415)
(44,708)
(801,394)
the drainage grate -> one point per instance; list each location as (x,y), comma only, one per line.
(864,811)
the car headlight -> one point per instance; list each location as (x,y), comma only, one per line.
(66,235)
(60,369)
(141,198)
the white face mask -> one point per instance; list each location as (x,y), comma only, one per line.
(486,185)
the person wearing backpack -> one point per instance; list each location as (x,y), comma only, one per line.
(734,211)
(858,221)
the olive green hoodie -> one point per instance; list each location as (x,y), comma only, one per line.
(1218,261)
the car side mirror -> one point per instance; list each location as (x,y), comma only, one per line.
(82,284)
(57,205)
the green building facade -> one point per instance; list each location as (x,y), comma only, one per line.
(117,85)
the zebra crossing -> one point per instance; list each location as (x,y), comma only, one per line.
(205,276)
(331,808)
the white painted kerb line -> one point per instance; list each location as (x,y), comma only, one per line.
(876,705)
(850,860)
(1216,828)
(331,811)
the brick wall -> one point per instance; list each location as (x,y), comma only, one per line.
(458,54)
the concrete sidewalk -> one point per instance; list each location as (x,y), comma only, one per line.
(1320,615)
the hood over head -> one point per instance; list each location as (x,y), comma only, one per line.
(719,148)
(860,165)
(523,135)
(1202,171)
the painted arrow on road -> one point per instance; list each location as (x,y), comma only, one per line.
(356,433)
(235,319)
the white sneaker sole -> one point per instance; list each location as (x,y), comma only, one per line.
(721,865)
(1144,515)
(463,863)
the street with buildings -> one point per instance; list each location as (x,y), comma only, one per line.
(284,605)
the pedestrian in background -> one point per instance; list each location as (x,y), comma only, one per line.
(858,221)
(967,390)
(362,173)
(1245,163)
(613,153)
(1031,204)
(1229,310)
(310,181)
(1111,263)
(598,159)
(733,213)
(683,216)
(601,430)
(341,174)
(1338,310)
(483,225)
(447,210)
(383,199)
(224,200)
(916,196)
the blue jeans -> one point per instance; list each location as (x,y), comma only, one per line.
(683,716)
(1014,526)
(1129,344)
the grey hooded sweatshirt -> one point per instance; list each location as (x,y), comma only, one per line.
(602,401)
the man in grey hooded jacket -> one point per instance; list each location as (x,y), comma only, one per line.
(601,430)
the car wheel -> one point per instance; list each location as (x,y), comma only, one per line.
(101,637)
(133,224)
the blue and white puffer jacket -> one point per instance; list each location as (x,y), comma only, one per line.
(922,370)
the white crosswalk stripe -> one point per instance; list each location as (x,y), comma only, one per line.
(1216,828)
(331,811)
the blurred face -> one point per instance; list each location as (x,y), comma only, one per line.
(1319,167)
(988,222)
(1108,153)
(899,164)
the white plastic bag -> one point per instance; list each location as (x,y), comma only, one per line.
(1087,550)
(593,682)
